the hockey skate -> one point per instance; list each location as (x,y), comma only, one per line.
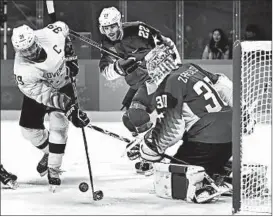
(212,190)
(144,167)
(54,178)
(8,179)
(224,184)
(42,165)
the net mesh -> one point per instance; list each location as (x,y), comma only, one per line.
(256,96)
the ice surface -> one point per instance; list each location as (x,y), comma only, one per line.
(125,192)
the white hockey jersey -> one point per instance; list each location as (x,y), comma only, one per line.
(41,81)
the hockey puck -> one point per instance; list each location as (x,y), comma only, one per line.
(98,195)
(83,187)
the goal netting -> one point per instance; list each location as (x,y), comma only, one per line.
(252,146)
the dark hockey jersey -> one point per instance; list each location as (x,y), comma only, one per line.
(138,40)
(189,103)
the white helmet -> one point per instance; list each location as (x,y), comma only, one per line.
(109,16)
(24,41)
(22,37)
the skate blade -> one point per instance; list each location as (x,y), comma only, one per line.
(13,184)
(53,188)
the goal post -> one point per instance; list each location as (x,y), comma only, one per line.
(252,126)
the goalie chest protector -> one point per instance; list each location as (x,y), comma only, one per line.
(176,181)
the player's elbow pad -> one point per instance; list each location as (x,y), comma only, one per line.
(109,73)
(224,88)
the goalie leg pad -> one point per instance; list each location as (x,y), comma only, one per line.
(176,181)
(136,119)
(38,137)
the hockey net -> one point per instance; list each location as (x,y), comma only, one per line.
(255,128)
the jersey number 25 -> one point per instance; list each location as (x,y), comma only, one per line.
(209,94)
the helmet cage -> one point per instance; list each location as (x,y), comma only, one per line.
(155,60)
(33,51)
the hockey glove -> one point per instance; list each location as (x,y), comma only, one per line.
(148,149)
(133,153)
(76,116)
(71,58)
(125,67)
(72,67)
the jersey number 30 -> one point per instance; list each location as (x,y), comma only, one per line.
(203,87)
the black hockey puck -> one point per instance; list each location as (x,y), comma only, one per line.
(83,187)
(98,195)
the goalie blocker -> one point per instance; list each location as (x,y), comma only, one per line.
(184,182)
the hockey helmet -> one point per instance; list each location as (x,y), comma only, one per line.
(110,16)
(25,42)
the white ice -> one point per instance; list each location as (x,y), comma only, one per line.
(125,192)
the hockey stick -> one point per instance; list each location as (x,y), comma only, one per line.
(52,15)
(106,132)
(94,44)
(116,136)
(97,195)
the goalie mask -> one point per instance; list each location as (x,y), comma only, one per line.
(160,62)
(25,42)
(110,23)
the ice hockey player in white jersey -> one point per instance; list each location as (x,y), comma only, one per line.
(44,66)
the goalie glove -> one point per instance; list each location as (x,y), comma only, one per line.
(133,153)
(149,150)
